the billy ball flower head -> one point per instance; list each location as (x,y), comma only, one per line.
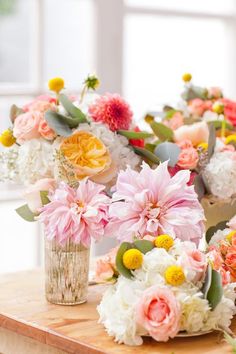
(174,275)
(76,215)
(56,84)
(113,110)
(133,259)
(164,241)
(187,77)
(7,139)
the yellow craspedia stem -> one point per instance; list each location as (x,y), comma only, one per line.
(218,107)
(204,146)
(7,139)
(230,235)
(187,77)
(56,84)
(230,139)
(174,275)
(164,241)
(149,118)
(132,259)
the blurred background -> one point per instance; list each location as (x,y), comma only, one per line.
(138,48)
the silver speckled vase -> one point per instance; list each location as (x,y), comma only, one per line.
(66,272)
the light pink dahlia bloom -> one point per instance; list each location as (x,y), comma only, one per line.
(112,110)
(152,202)
(78,215)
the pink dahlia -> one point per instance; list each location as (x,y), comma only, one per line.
(112,110)
(78,215)
(151,202)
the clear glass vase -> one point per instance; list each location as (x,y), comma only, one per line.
(66,272)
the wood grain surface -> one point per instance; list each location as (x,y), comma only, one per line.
(74,329)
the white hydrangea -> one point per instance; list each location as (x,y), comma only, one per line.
(209,116)
(218,236)
(8,164)
(35,161)
(220,174)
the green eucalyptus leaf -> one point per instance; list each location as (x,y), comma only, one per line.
(192,92)
(207,281)
(170,113)
(143,246)
(125,246)
(25,212)
(134,135)
(44,197)
(162,131)
(215,291)
(72,110)
(168,151)
(211,140)
(150,147)
(146,153)
(210,232)
(15,112)
(218,124)
(58,123)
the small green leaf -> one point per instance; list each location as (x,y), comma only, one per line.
(125,246)
(168,151)
(25,212)
(58,123)
(73,111)
(218,124)
(150,147)
(143,246)
(145,153)
(162,132)
(44,197)
(14,112)
(192,92)
(170,113)
(207,281)
(134,135)
(215,291)
(210,232)
(211,140)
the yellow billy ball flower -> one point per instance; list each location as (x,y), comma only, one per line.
(187,77)
(230,139)
(204,146)
(164,241)
(7,139)
(56,84)
(132,259)
(218,108)
(174,275)
(149,118)
(230,235)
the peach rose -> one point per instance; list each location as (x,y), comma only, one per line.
(188,158)
(176,121)
(40,103)
(195,261)
(32,194)
(197,133)
(158,311)
(230,259)
(105,266)
(197,106)
(46,131)
(26,126)
(185,144)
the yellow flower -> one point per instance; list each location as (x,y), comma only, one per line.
(92,82)
(149,118)
(85,155)
(204,146)
(7,139)
(164,241)
(56,84)
(174,275)
(132,259)
(230,235)
(218,107)
(230,139)
(187,77)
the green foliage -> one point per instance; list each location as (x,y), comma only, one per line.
(147,154)
(73,111)
(162,132)
(134,135)
(168,151)
(25,212)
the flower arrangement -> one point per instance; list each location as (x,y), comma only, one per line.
(165,288)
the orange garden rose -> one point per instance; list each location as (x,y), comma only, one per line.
(85,154)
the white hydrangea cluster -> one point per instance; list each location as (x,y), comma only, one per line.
(117,309)
(8,164)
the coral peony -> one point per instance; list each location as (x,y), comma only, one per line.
(78,215)
(112,110)
(152,202)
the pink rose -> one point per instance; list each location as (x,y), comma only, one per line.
(185,144)
(176,121)
(158,311)
(230,259)
(32,194)
(46,131)
(225,276)
(188,158)
(230,110)
(105,267)
(26,126)
(195,261)
(214,92)
(197,106)
(197,133)
(41,103)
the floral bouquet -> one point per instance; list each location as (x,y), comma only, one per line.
(165,288)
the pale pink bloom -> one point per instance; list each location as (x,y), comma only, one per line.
(159,312)
(225,274)
(232,223)
(215,258)
(197,133)
(185,144)
(41,106)
(32,193)
(197,107)
(112,110)
(45,130)
(152,202)
(195,261)
(78,215)
(176,121)
(26,126)
(227,147)
(46,99)
(105,266)
(188,158)
(214,92)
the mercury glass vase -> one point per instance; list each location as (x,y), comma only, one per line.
(66,272)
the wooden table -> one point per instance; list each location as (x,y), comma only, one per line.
(29,325)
